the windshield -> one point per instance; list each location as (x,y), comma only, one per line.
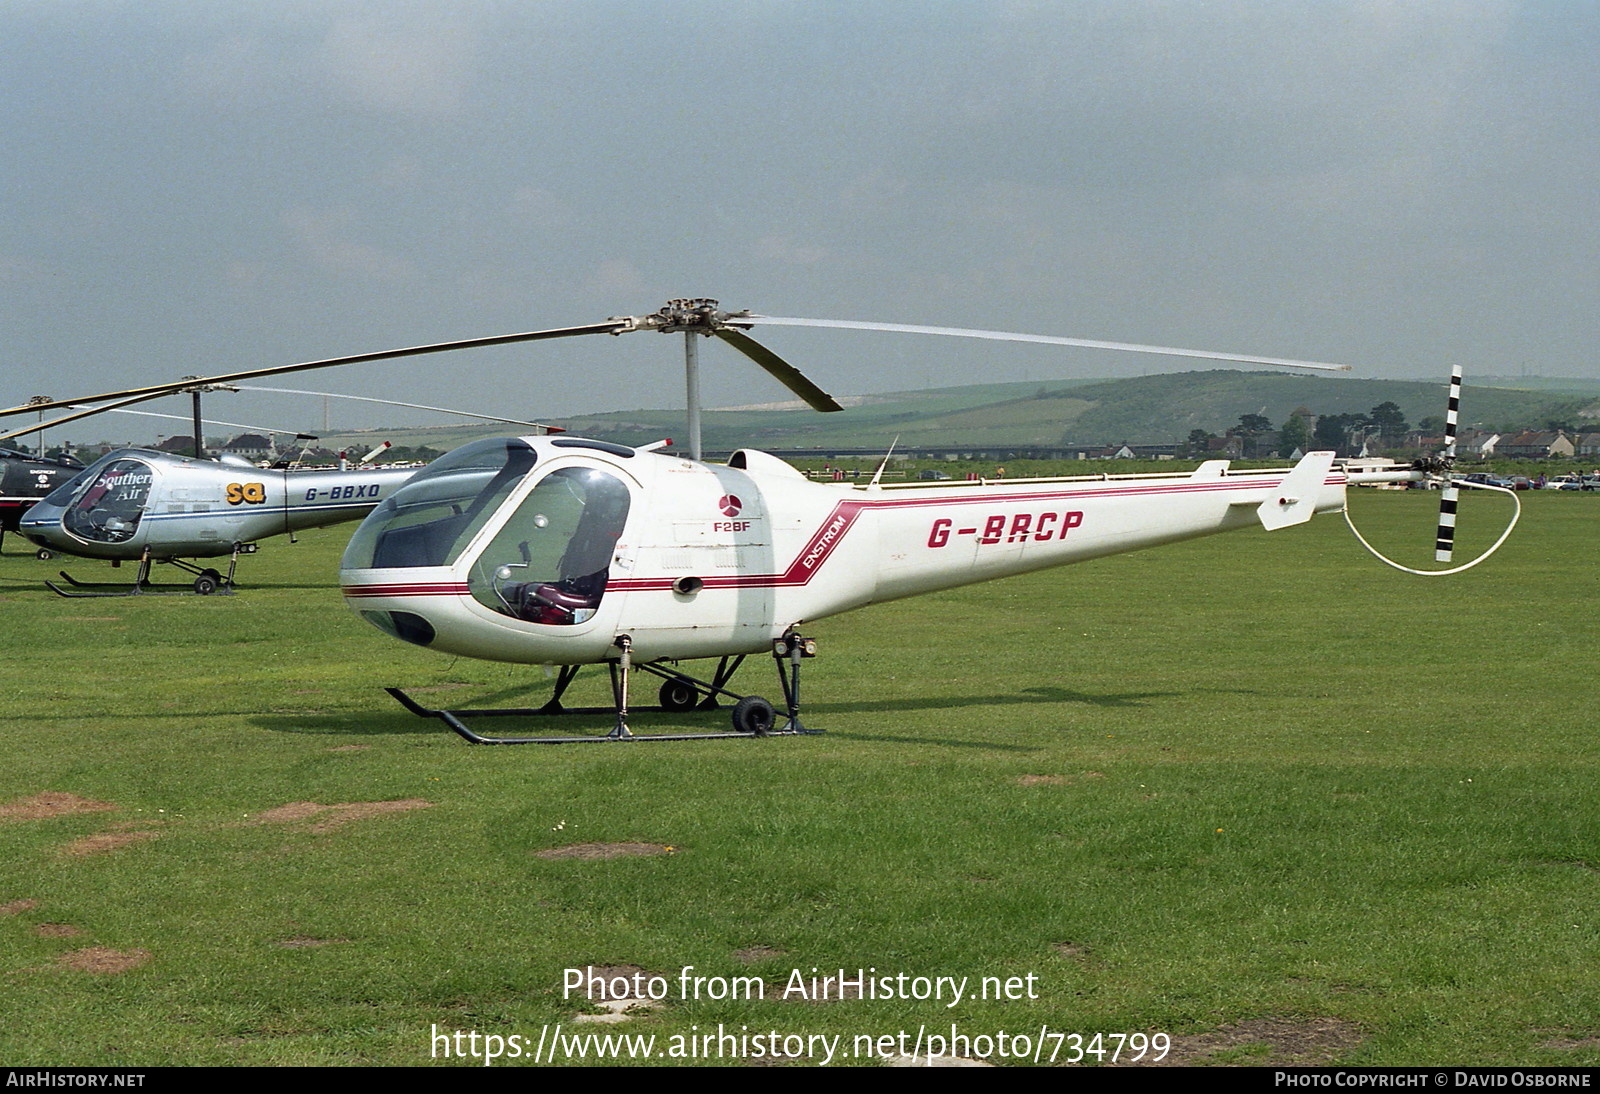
(61,495)
(550,561)
(430,520)
(108,509)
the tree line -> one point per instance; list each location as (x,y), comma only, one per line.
(1384,425)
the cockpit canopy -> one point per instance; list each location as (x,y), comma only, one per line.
(548,560)
(105,506)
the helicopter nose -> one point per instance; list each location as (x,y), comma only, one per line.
(40,523)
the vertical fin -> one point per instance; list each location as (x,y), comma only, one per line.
(1294,500)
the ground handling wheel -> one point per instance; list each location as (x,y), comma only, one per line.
(679,696)
(754,715)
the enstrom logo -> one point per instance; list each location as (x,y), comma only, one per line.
(730,505)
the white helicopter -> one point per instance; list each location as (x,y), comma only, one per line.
(150,507)
(567,551)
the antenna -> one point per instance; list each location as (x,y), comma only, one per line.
(878,474)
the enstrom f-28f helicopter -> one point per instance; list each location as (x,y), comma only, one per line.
(566,551)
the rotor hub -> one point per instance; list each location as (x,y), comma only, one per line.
(690,315)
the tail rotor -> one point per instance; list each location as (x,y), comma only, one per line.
(1441,468)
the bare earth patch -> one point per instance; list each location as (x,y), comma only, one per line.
(289,814)
(102,842)
(616,988)
(1057,780)
(750,955)
(1071,949)
(605,850)
(329,817)
(1277,1042)
(51,803)
(1570,1042)
(350,748)
(103,961)
(57,930)
(17,907)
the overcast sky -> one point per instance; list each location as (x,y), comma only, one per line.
(201,187)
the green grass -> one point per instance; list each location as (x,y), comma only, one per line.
(1280,782)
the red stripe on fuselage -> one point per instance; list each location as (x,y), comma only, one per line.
(417,588)
(799,573)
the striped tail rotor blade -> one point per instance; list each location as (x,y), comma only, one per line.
(1452,412)
(1445,543)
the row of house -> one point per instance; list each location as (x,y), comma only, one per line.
(1531,444)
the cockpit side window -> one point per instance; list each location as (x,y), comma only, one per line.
(550,562)
(109,507)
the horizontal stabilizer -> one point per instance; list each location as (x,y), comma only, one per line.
(1295,499)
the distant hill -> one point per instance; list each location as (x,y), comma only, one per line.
(1152,409)
(1565,384)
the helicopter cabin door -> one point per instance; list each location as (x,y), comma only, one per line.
(550,563)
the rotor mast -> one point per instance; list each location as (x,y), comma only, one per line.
(199,388)
(691,379)
(693,317)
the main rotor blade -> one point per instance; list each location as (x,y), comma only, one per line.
(785,373)
(65,418)
(396,402)
(189,418)
(610,326)
(1011,336)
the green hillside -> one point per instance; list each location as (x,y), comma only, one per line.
(1140,410)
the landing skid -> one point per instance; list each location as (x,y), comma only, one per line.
(207,582)
(752,716)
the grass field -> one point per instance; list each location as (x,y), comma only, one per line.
(1255,792)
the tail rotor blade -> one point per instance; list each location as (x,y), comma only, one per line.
(1444,545)
(1445,542)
